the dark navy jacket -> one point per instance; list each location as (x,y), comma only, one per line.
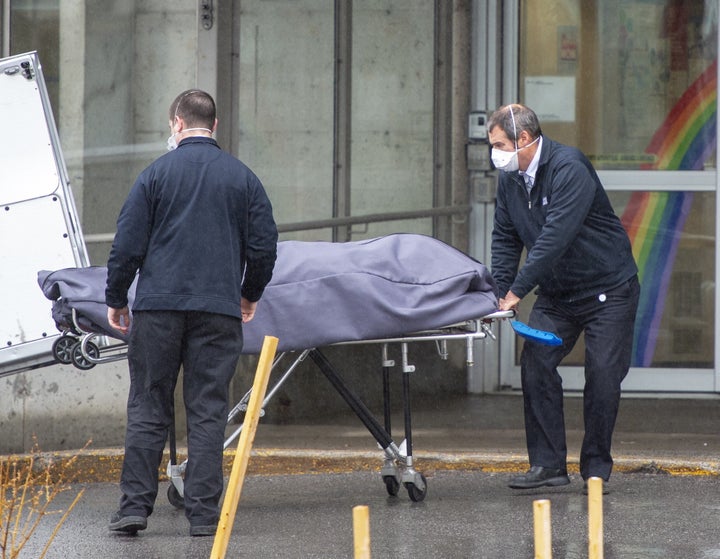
(198,226)
(576,245)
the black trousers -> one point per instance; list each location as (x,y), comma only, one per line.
(608,322)
(207,346)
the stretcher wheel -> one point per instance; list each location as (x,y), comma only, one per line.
(392,485)
(62,349)
(175,498)
(414,492)
(78,359)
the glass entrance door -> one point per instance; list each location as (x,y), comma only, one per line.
(633,84)
(112,69)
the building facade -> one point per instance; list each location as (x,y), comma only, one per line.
(364,117)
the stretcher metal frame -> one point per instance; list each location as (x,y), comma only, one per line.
(87,349)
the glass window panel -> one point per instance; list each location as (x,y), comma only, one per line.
(633,84)
(285,105)
(112,69)
(640,75)
(392,112)
(673,236)
(35,26)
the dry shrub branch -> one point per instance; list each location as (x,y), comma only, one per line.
(29,486)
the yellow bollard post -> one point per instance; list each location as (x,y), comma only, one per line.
(543,531)
(242,455)
(595,518)
(361,532)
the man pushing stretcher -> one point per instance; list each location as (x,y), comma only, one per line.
(550,202)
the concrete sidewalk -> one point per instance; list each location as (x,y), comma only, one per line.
(653,435)
(466,515)
(466,447)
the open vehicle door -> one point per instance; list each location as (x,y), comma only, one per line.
(39,225)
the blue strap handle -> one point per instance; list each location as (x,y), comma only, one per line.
(534,335)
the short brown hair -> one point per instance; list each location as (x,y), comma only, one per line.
(195,107)
(524,119)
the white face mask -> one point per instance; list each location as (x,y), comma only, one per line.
(505,160)
(172,143)
(508,160)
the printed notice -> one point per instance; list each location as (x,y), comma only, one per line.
(551,97)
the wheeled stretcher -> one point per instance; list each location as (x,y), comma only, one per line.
(399,289)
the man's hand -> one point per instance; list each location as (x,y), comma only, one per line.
(247,309)
(119,319)
(509,302)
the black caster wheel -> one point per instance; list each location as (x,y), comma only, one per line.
(175,498)
(392,485)
(62,349)
(78,359)
(414,492)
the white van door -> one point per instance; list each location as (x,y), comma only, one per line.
(39,226)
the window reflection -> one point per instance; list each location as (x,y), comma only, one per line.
(36,27)
(673,243)
(673,236)
(641,76)
(633,84)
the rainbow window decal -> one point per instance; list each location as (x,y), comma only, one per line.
(655,220)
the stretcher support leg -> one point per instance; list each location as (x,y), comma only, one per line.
(407,369)
(386,364)
(172,436)
(175,472)
(176,490)
(413,481)
(389,472)
(242,405)
(352,400)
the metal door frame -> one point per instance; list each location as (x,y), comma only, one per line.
(499,369)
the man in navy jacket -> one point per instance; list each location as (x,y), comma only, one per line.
(198,226)
(550,202)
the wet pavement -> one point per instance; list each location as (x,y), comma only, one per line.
(304,480)
(465,515)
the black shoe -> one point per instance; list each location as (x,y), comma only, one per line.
(537,476)
(129,524)
(207,530)
(605,488)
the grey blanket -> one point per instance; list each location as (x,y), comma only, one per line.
(323,293)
